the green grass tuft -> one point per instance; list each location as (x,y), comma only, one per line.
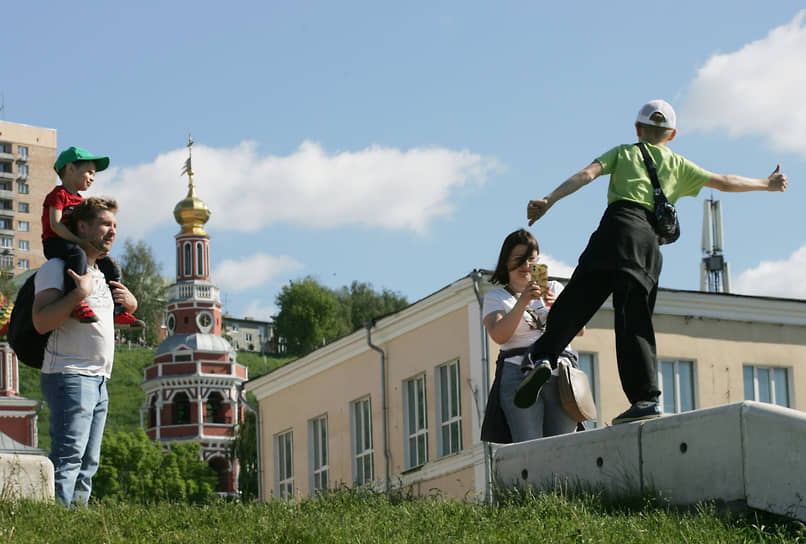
(351,516)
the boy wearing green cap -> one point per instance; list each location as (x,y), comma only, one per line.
(76,168)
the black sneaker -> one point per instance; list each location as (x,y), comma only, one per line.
(643,409)
(527,392)
(527,365)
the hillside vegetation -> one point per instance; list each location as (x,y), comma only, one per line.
(126,395)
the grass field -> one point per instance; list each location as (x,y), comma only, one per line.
(364,517)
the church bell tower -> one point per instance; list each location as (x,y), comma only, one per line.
(192,386)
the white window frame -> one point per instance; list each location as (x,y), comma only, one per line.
(24,245)
(24,264)
(415,422)
(24,226)
(200,259)
(771,372)
(22,187)
(318,454)
(7,242)
(363,458)
(676,364)
(448,392)
(22,171)
(22,152)
(589,364)
(187,258)
(284,465)
(23,207)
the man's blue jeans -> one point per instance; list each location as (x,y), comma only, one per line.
(78,406)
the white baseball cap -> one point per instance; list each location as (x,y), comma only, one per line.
(657,106)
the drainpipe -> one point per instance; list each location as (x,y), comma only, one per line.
(368,325)
(477,277)
(246,405)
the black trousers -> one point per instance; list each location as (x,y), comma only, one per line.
(635,336)
(76,260)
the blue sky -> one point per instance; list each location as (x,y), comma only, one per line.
(398,143)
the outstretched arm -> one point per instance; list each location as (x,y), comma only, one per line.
(738,184)
(538,208)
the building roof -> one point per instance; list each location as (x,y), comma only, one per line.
(196,342)
(9,445)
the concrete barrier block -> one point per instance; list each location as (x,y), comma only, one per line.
(602,459)
(775,458)
(695,456)
(26,477)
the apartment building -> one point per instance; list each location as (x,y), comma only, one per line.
(27,155)
(248,334)
(401,404)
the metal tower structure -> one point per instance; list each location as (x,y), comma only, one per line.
(714,269)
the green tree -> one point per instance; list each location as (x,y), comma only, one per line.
(244,449)
(134,469)
(309,316)
(360,302)
(141,274)
(312,315)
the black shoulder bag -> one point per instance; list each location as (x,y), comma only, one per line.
(666,225)
(23,337)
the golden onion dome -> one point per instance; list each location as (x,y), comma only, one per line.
(191,213)
(5,314)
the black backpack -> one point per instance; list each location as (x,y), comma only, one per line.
(24,339)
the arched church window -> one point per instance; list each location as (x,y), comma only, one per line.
(200,259)
(214,412)
(188,260)
(181,409)
(152,412)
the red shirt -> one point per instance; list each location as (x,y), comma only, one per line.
(61,199)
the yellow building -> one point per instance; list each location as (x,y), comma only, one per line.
(27,155)
(401,404)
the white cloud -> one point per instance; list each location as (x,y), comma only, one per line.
(252,271)
(556,268)
(757,90)
(375,187)
(775,278)
(256,310)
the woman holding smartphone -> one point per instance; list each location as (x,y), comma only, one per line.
(515,317)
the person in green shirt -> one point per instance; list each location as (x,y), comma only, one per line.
(623,258)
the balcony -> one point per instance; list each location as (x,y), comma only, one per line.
(6,156)
(8,175)
(194,291)
(7,194)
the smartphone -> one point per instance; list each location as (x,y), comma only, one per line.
(540,274)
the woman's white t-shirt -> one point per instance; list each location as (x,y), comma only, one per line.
(528,331)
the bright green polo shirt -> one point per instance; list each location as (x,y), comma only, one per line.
(629,178)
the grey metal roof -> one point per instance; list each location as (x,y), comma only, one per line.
(196,342)
(9,445)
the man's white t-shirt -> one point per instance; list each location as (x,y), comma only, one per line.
(75,347)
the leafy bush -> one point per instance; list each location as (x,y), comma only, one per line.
(134,469)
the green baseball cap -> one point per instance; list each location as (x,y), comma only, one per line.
(73,154)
